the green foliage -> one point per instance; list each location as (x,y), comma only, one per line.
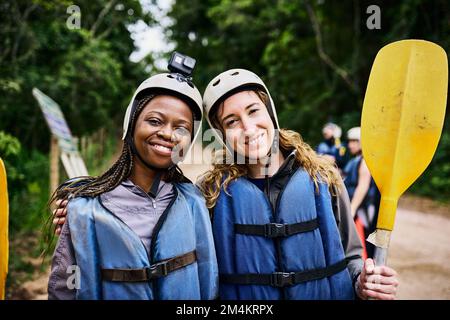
(9,146)
(28,191)
(100,154)
(87,70)
(435,181)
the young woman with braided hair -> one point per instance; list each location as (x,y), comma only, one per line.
(141,230)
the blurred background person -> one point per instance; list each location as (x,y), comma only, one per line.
(332,147)
(364,194)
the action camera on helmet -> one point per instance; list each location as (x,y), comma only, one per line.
(181,64)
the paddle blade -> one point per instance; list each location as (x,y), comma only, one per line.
(3,230)
(402,118)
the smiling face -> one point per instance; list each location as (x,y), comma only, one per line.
(246,124)
(163,128)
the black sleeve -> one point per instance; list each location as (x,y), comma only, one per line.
(347,229)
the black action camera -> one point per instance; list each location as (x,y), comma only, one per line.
(181,64)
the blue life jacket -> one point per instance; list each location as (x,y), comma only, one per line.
(260,257)
(106,246)
(328,147)
(352,175)
(336,149)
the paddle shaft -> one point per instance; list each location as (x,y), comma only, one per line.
(380,256)
(381,238)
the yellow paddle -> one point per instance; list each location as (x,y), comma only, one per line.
(3,230)
(402,119)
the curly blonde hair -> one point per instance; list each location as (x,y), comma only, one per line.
(319,168)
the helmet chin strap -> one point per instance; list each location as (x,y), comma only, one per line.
(267,165)
(159,171)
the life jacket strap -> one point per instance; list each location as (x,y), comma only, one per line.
(283,279)
(276,230)
(155,271)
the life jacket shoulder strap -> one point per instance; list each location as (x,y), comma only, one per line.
(155,271)
(283,279)
(276,230)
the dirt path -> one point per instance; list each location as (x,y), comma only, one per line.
(420,252)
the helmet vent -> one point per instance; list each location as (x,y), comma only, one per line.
(216,83)
(170,76)
(235,73)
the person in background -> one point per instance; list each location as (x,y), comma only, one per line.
(332,147)
(363,193)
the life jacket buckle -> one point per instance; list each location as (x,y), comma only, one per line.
(274,230)
(158,270)
(282,279)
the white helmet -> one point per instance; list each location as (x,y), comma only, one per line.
(173,84)
(354,133)
(337,131)
(229,81)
